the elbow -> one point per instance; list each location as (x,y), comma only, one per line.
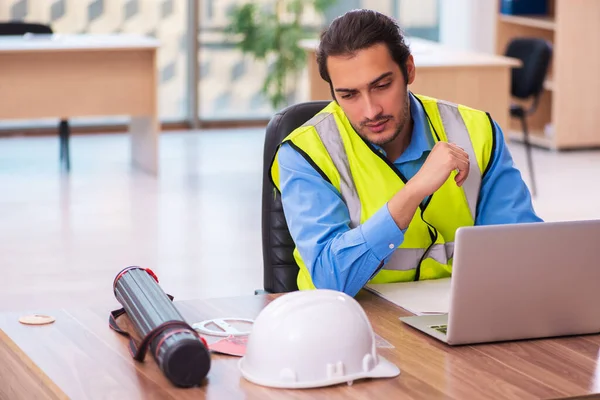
(327,276)
(336,269)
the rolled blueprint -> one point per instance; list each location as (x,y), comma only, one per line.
(178,349)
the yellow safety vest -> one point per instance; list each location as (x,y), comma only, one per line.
(366,181)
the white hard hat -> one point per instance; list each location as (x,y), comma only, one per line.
(312,338)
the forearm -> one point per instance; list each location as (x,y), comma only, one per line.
(404,203)
(343,267)
(336,256)
(350,258)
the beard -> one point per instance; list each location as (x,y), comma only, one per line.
(381,139)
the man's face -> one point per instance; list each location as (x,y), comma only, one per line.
(371,90)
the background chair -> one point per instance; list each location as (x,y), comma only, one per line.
(528,83)
(22,28)
(280,268)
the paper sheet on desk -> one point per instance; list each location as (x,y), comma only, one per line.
(419,298)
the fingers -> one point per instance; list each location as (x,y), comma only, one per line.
(459,152)
(463,171)
(453,149)
(462,163)
(455,159)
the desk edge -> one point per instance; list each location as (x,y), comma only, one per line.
(46,386)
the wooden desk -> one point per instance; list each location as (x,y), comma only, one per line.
(66,76)
(476,80)
(80,357)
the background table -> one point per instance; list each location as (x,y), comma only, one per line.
(66,76)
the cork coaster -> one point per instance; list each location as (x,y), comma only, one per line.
(36,319)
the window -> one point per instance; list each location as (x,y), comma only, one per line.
(420,18)
(229,83)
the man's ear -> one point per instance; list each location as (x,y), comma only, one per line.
(410,69)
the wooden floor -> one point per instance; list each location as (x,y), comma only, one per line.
(63,238)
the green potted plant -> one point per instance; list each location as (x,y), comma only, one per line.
(271,34)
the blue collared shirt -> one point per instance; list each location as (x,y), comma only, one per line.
(345,259)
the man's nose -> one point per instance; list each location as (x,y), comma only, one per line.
(372,109)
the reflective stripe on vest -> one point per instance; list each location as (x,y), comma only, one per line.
(330,136)
(405,259)
(456,131)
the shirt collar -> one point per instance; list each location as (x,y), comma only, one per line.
(421,140)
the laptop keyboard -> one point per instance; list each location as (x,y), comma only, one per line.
(440,328)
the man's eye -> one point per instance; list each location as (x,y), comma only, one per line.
(348,96)
(382,86)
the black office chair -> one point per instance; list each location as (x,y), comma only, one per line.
(528,83)
(280,268)
(16,28)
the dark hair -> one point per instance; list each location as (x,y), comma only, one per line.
(358,30)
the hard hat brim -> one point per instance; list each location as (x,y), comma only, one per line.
(383,369)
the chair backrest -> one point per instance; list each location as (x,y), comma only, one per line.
(16,28)
(535,55)
(280,268)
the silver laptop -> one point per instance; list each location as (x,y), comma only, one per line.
(520,281)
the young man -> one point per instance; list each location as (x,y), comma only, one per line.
(376,184)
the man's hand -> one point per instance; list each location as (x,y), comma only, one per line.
(443,159)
